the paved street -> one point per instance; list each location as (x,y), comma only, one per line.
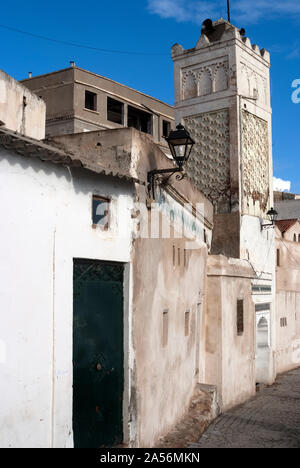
(270,420)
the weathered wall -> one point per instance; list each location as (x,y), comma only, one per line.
(46,212)
(226,225)
(288,302)
(166,375)
(52,204)
(288,334)
(20,109)
(128,153)
(229,358)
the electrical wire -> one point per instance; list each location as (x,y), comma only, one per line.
(82,46)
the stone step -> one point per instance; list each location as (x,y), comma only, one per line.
(204,408)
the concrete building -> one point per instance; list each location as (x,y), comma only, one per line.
(287,205)
(222,95)
(74,254)
(81,101)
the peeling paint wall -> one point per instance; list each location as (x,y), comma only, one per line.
(168,283)
(20,109)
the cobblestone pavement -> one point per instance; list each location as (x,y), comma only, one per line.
(270,420)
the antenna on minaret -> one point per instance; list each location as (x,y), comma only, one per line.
(228,10)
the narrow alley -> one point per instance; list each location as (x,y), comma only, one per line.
(270,420)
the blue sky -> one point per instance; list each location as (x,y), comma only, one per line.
(149,28)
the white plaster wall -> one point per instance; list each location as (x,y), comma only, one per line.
(46,211)
(29,120)
(258,246)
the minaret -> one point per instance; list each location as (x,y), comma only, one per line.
(222,96)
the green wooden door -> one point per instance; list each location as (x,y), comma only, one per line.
(98,354)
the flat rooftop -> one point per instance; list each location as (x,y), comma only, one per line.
(97,76)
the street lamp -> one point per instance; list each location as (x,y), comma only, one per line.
(272,215)
(181,144)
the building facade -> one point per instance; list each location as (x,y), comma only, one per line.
(99,341)
(81,101)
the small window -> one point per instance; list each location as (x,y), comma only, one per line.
(100,212)
(240,317)
(278,257)
(90,101)
(187,323)
(283,322)
(295,238)
(166,128)
(115,111)
(140,120)
(165,328)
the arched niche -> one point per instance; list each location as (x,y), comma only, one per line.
(221,80)
(262,334)
(205,83)
(190,87)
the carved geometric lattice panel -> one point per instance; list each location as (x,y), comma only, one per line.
(256,159)
(209,163)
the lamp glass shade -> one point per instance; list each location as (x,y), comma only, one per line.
(273,215)
(180,144)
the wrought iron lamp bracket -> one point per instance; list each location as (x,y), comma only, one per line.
(267,226)
(152,175)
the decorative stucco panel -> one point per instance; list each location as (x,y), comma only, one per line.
(207,79)
(254,84)
(255,160)
(209,164)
